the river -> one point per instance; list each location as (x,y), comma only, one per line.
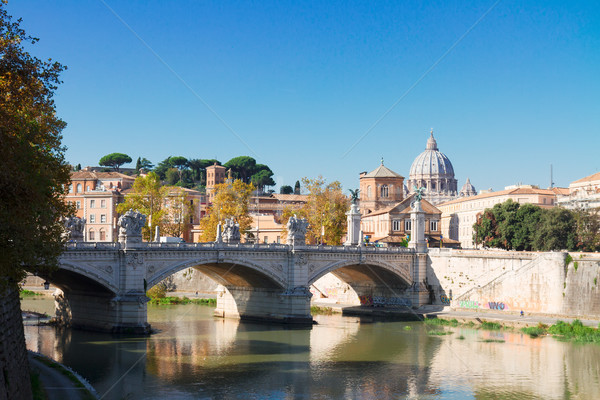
(195,356)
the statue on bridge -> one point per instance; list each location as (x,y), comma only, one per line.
(74,228)
(231,232)
(296,231)
(130,226)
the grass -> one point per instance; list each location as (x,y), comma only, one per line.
(574,331)
(37,389)
(76,382)
(441,322)
(321,310)
(408,328)
(182,300)
(490,326)
(461,337)
(439,333)
(493,341)
(28,293)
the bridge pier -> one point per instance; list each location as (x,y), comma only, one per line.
(102,312)
(261,304)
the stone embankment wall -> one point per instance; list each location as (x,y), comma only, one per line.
(14,374)
(581,291)
(510,281)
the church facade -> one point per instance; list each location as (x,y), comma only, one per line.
(385,197)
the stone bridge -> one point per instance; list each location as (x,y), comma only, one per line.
(104,284)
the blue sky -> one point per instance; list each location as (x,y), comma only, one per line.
(297,84)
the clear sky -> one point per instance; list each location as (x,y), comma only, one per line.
(509,87)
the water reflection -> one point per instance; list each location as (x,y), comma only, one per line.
(194,355)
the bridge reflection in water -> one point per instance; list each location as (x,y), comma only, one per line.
(196,356)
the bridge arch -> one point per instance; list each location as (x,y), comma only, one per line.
(72,276)
(400,273)
(226,271)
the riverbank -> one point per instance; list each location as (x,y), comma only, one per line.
(462,316)
(59,382)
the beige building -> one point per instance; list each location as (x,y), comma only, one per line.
(393,224)
(215,175)
(458,216)
(583,193)
(95,196)
(380,189)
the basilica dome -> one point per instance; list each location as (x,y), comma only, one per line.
(431,162)
(433,171)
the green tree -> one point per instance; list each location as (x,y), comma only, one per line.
(286,189)
(588,229)
(33,175)
(325,211)
(148,197)
(263,178)
(143,163)
(557,230)
(114,160)
(231,201)
(242,167)
(528,219)
(297,187)
(172,176)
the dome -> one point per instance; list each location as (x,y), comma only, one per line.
(431,162)
(468,189)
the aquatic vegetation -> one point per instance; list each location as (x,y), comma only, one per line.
(321,310)
(491,326)
(441,322)
(439,333)
(183,300)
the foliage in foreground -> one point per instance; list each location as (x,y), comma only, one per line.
(33,171)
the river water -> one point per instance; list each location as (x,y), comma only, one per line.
(196,356)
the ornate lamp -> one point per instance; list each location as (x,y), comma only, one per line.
(46,285)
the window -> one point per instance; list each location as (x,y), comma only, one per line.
(91,235)
(278,239)
(369,192)
(78,187)
(92,203)
(71,188)
(102,235)
(407,225)
(433,226)
(87,188)
(103,218)
(384,191)
(191,219)
(78,204)
(396,224)
(102,203)
(266,239)
(92,218)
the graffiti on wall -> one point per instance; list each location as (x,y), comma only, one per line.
(445,299)
(491,305)
(380,301)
